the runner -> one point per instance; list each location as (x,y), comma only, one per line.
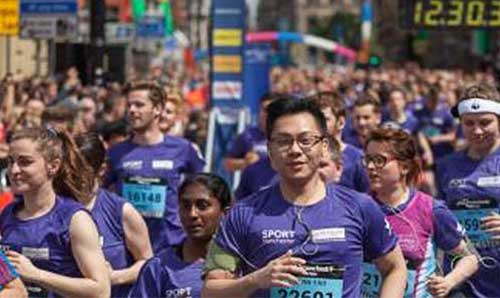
(468,181)
(421,223)
(176,272)
(147,168)
(397,113)
(366,116)
(250,145)
(52,240)
(123,233)
(269,242)
(353,173)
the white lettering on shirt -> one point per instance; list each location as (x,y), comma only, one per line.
(328,235)
(132,164)
(488,181)
(179,293)
(163,164)
(36,253)
(278,236)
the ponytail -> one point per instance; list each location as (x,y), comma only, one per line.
(75,177)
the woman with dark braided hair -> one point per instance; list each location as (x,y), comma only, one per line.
(50,238)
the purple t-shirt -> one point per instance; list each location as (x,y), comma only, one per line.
(354,174)
(44,240)
(337,231)
(471,189)
(167,275)
(351,137)
(437,122)
(148,177)
(251,139)
(410,125)
(255,177)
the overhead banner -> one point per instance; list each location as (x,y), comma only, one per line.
(9,17)
(49,19)
(226,52)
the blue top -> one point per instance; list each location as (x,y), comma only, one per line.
(167,275)
(265,226)
(251,139)
(255,177)
(148,177)
(108,215)
(354,175)
(471,189)
(410,125)
(351,137)
(44,240)
(437,122)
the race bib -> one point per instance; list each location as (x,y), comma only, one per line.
(372,280)
(323,281)
(431,131)
(469,213)
(147,195)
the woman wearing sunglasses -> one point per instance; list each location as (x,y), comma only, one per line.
(419,221)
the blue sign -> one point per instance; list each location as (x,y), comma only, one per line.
(151,27)
(227,45)
(48,7)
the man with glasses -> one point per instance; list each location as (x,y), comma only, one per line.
(301,237)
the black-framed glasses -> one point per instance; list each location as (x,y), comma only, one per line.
(378,160)
(305,142)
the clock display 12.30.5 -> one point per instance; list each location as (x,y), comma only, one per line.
(455,13)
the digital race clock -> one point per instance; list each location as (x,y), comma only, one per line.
(450,13)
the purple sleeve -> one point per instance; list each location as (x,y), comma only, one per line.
(149,281)
(379,239)
(7,272)
(232,232)
(195,161)
(447,231)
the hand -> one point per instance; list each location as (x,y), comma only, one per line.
(112,273)
(491,224)
(280,272)
(251,157)
(23,266)
(439,286)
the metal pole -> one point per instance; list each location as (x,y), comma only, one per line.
(8,55)
(97,39)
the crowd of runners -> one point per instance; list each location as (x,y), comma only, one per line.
(355,183)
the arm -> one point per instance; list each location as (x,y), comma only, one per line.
(137,242)
(448,137)
(279,272)
(466,266)
(427,155)
(392,267)
(235,164)
(15,288)
(88,256)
